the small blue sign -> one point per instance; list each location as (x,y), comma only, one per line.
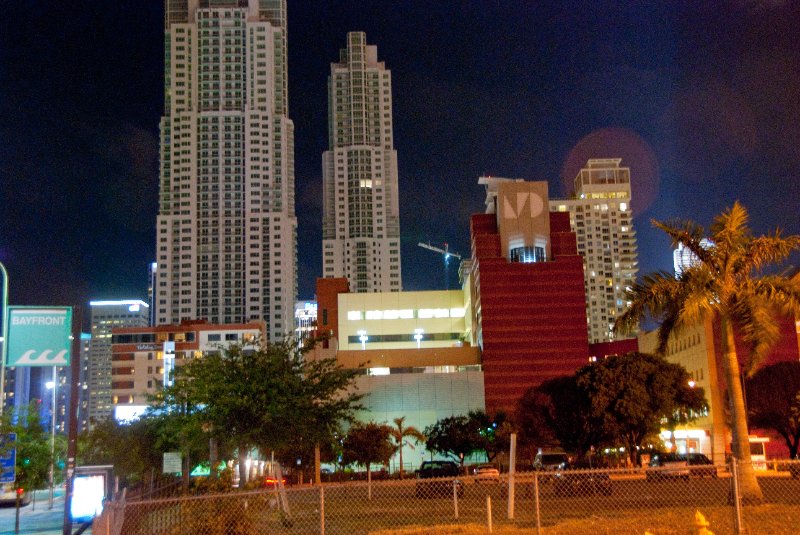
(8,458)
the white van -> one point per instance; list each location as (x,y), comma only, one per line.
(8,495)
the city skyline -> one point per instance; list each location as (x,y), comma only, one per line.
(701,102)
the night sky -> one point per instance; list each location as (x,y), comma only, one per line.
(700,99)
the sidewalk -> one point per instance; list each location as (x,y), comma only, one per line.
(36,517)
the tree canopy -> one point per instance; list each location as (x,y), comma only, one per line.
(728,280)
(632,394)
(456,436)
(618,400)
(368,444)
(559,413)
(773,401)
(261,396)
(32,445)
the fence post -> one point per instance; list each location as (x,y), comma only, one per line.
(455,497)
(512,463)
(489,513)
(737,503)
(321,510)
(536,502)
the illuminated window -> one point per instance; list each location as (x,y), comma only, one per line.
(456,312)
(354,315)
(374,314)
(378,371)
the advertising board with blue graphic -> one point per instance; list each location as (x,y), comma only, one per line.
(38,336)
(8,457)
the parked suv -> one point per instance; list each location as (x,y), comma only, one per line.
(550,460)
(438,478)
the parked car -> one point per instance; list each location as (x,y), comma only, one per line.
(700,465)
(667,465)
(437,478)
(681,465)
(581,480)
(486,473)
(8,494)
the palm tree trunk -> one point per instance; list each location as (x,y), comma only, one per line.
(317,468)
(242,466)
(748,484)
(401,458)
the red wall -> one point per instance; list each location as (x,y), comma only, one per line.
(532,316)
(328,291)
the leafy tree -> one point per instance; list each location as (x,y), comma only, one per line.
(32,445)
(632,394)
(135,448)
(773,401)
(400,433)
(727,282)
(558,412)
(456,436)
(368,444)
(494,432)
(261,396)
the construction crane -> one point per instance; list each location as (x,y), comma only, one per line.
(446,253)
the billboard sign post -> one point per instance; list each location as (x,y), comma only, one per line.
(38,336)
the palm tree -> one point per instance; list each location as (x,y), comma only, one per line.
(727,282)
(399,433)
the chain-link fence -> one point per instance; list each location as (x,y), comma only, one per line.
(658,500)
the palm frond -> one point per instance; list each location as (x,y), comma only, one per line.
(772,249)
(651,297)
(730,229)
(780,292)
(755,320)
(685,232)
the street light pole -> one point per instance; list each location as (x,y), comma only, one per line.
(53,434)
(4,313)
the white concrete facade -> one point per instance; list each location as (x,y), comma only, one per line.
(601,217)
(226,229)
(361,215)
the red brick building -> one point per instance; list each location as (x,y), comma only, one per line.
(529,300)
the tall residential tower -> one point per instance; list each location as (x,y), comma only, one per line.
(600,216)
(361,216)
(227,231)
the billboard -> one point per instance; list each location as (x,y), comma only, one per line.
(38,336)
(8,456)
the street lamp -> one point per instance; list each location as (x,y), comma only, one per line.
(4,313)
(362,335)
(52,385)
(418,336)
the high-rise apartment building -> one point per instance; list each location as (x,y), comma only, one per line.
(600,215)
(107,315)
(361,216)
(226,230)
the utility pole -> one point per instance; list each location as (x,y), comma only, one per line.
(4,313)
